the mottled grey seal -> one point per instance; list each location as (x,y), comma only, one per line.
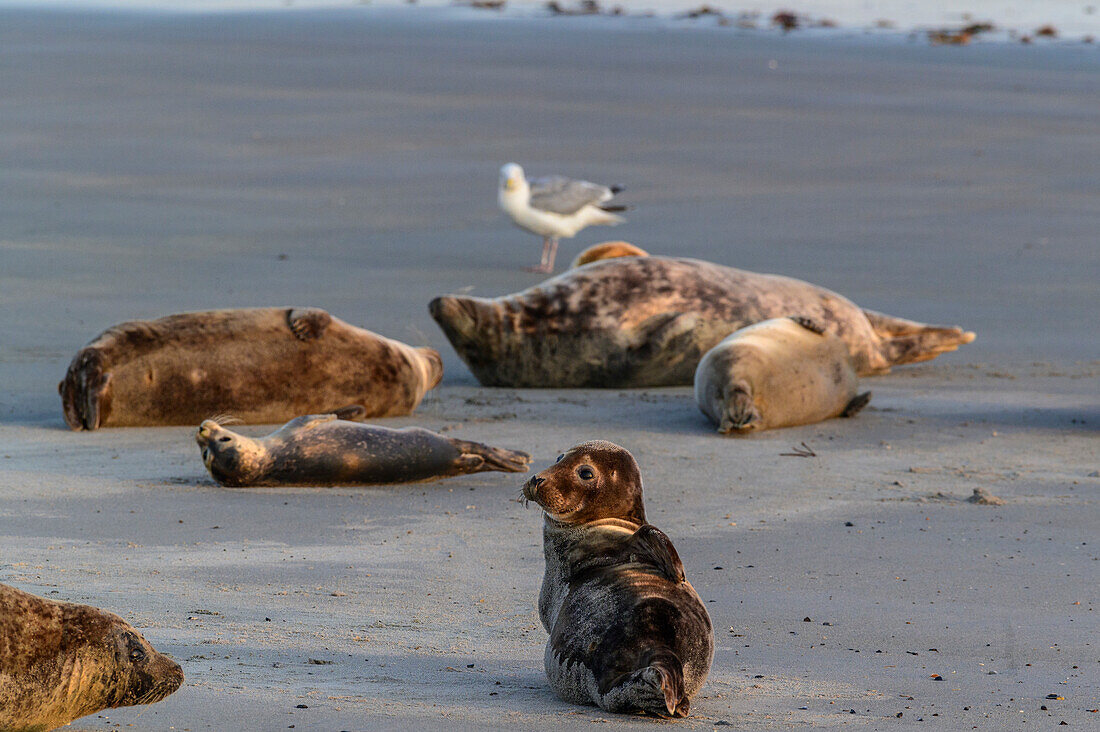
(646,321)
(321,449)
(777,373)
(627,630)
(60,661)
(261,365)
(607,250)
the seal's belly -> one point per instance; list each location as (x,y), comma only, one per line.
(574,682)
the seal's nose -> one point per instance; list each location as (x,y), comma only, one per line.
(531,488)
(206,430)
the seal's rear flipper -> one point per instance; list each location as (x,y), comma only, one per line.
(478,458)
(657,688)
(650,545)
(907,341)
(352,412)
(741,414)
(854,407)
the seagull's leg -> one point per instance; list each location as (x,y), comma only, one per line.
(549,264)
(545,253)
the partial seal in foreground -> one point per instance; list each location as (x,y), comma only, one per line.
(647,321)
(322,449)
(627,630)
(60,661)
(261,365)
(778,373)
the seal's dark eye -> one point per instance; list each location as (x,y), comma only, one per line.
(137,654)
(585,473)
(559,458)
(227,438)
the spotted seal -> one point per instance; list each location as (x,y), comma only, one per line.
(647,321)
(60,661)
(777,373)
(262,365)
(323,449)
(627,630)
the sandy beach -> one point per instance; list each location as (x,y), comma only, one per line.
(155,163)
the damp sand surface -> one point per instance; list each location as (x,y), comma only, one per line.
(157,163)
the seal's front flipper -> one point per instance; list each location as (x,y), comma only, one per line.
(812,324)
(859,401)
(657,688)
(741,414)
(666,332)
(649,545)
(352,412)
(308,420)
(308,323)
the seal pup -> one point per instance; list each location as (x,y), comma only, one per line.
(607,250)
(323,449)
(262,365)
(554,207)
(60,661)
(778,373)
(647,321)
(627,630)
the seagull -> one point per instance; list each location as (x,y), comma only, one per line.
(554,207)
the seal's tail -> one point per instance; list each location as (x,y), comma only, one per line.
(907,341)
(656,688)
(480,458)
(83,391)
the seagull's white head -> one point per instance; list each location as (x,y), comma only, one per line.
(512,178)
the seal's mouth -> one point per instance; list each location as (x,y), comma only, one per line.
(207,456)
(531,489)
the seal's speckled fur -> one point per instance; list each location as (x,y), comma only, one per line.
(647,321)
(627,630)
(261,365)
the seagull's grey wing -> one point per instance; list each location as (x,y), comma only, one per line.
(565,196)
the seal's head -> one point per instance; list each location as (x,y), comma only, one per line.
(139,673)
(231,458)
(594,480)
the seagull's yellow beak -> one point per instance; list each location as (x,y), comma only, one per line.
(510,184)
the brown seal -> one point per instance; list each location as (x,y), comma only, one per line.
(647,321)
(262,365)
(60,661)
(322,449)
(777,373)
(627,630)
(607,250)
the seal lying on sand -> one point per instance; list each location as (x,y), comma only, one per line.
(607,250)
(627,630)
(779,373)
(321,449)
(60,661)
(261,365)
(647,321)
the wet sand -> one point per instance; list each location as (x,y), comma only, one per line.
(156,163)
